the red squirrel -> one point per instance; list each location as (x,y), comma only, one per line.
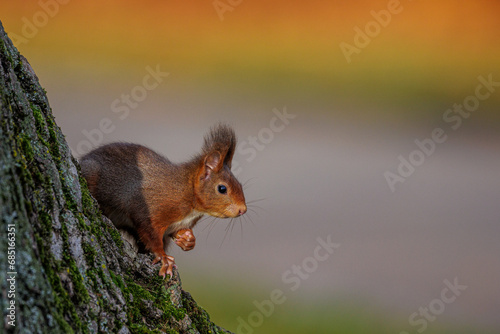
(156,200)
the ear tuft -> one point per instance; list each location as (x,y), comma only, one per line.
(222,139)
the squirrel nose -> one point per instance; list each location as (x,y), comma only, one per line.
(243,209)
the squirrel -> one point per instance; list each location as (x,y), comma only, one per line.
(157,200)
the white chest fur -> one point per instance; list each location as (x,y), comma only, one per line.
(187,222)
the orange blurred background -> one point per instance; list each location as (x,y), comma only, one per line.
(271,48)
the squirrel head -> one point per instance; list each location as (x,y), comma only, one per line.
(217,191)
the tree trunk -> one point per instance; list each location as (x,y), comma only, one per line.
(63,266)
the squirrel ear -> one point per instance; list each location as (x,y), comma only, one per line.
(213,163)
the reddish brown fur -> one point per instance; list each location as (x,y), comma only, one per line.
(145,193)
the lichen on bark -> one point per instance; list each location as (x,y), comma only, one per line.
(73,271)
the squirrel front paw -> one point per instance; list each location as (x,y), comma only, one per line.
(185,239)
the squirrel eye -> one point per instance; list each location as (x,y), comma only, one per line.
(222,189)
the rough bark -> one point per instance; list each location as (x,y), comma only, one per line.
(71,269)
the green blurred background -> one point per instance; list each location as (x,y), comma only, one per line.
(322,173)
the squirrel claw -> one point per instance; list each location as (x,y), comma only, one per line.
(167,265)
(156,260)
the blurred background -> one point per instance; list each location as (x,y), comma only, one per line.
(328,99)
